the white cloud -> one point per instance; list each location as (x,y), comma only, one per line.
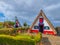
(56,22)
(10,13)
(52,7)
(30,19)
(6,9)
(24,2)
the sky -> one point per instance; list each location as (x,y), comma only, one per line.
(27,10)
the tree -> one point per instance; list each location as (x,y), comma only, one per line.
(11,23)
(8,23)
(25,24)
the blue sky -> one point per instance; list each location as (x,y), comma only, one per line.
(27,10)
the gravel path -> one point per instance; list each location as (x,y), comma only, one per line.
(50,40)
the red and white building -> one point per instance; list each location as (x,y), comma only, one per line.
(47,26)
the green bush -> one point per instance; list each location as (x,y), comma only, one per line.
(6,31)
(19,40)
(12,30)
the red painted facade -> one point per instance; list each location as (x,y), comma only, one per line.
(44,32)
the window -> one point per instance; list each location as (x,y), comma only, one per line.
(46,27)
(36,27)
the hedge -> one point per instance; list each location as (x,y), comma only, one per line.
(19,40)
(8,31)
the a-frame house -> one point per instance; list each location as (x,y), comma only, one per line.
(48,27)
(17,23)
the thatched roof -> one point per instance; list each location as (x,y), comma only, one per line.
(42,14)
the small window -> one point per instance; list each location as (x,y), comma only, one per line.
(46,27)
(36,27)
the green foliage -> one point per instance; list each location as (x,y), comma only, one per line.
(25,24)
(1,25)
(22,28)
(6,31)
(25,27)
(19,40)
(10,22)
(9,31)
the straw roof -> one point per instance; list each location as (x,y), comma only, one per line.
(47,20)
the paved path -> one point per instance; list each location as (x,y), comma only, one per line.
(50,40)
